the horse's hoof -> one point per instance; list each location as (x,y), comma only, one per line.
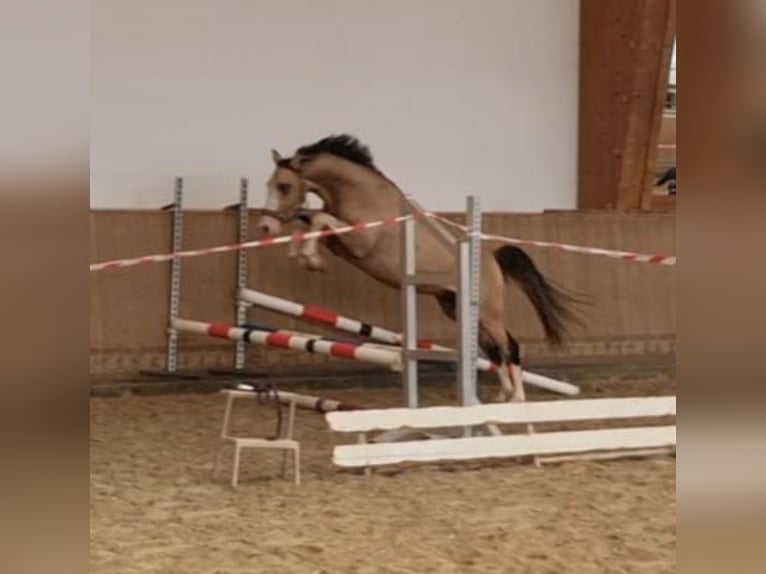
(312,262)
(306,262)
(316,266)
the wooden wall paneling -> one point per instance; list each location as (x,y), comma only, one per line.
(598,289)
(129,306)
(634,302)
(208,285)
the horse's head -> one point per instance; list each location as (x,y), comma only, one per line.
(286,193)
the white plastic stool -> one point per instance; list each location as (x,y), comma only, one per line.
(283,442)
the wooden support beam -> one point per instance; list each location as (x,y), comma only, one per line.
(624,62)
(659,35)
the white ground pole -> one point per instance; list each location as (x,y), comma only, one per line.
(564,445)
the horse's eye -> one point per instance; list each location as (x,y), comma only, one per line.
(284,188)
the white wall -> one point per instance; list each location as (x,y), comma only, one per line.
(453,96)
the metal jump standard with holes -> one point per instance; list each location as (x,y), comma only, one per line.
(239,351)
(177,239)
(175,273)
(466,250)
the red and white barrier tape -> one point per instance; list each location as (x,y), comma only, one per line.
(625,255)
(298,236)
(669,260)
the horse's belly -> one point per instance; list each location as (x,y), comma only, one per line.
(386,272)
(389,272)
(384,262)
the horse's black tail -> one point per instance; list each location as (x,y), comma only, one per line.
(552,304)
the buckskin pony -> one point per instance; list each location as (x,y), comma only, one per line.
(340,170)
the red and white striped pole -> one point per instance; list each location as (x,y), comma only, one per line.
(316,336)
(327,317)
(283,340)
(320,315)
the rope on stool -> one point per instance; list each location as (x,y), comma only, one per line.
(264,393)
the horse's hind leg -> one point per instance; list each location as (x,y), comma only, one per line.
(503,350)
(447,300)
(495,354)
(514,355)
(498,344)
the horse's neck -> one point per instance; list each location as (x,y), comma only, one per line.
(351,192)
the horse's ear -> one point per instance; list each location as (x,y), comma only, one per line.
(276,156)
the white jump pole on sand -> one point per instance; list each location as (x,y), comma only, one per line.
(283,340)
(327,317)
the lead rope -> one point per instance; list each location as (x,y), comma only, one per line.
(264,393)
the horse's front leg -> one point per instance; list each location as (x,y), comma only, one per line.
(294,247)
(308,250)
(355,244)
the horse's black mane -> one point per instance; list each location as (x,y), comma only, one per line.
(286,163)
(343,145)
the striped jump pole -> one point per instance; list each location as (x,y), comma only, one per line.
(327,317)
(318,337)
(283,340)
(319,315)
(370,344)
(318,404)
